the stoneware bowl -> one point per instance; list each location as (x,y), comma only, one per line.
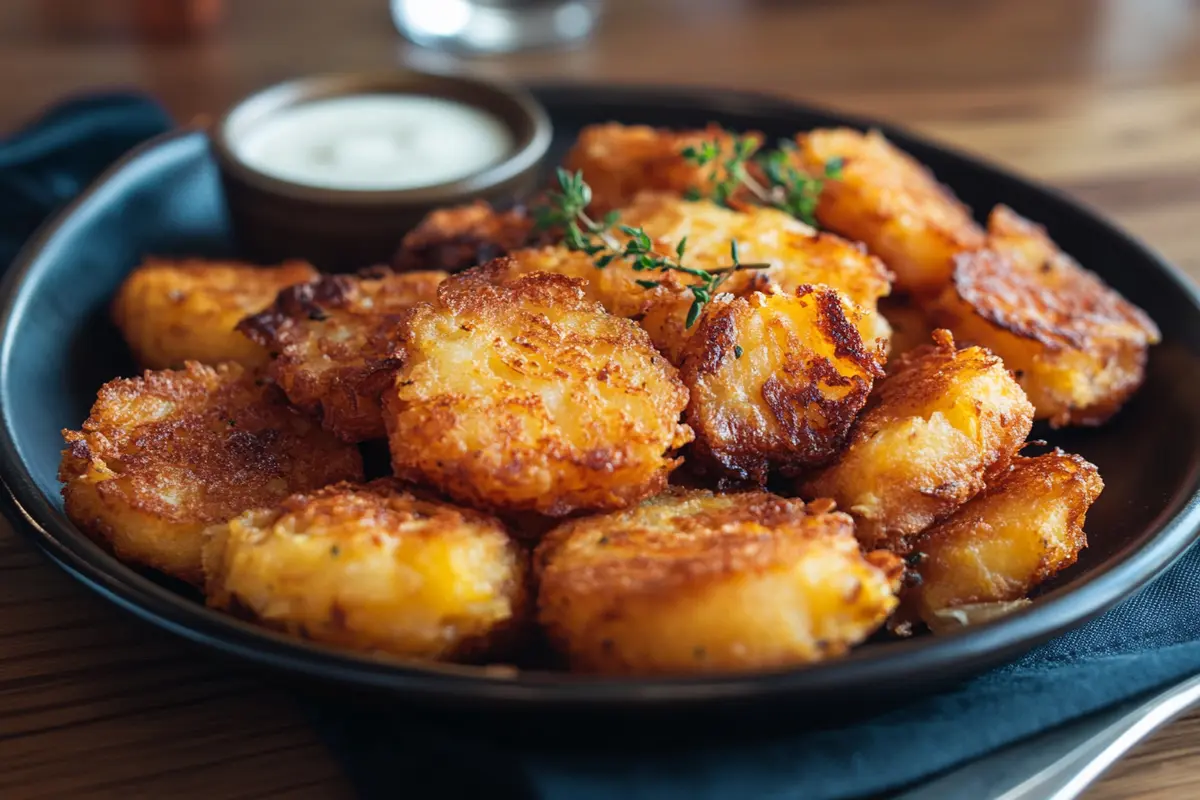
(340,230)
(58,347)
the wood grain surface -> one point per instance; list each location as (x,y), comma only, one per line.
(1099,98)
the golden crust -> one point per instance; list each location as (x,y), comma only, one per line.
(372,568)
(163,456)
(621,161)
(529,397)
(453,239)
(1078,348)
(886,199)
(336,347)
(776,381)
(693,582)
(175,311)
(796,255)
(1024,529)
(931,435)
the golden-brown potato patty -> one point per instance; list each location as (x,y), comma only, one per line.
(1026,527)
(794,254)
(621,161)
(1078,348)
(372,568)
(453,239)
(163,456)
(335,344)
(175,311)
(694,582)
(892,203)
(776,380)
(931,435)
(528,397)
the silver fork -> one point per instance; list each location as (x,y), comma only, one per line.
(1060,764)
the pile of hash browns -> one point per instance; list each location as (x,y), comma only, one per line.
(580,465)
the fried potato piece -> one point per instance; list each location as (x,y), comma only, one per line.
(776,380)
(1025,528)
(910,326)
(164,456)
(1078,348)
(621,161)
(336,344)
(175,311)
(692,582)
(453,239)
(372,568)
(528,397)
(889,201)
(929,438)
(614,287)
(794,253)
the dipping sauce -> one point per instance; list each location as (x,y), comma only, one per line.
(379,142)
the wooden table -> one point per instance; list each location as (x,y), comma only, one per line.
(1099,98)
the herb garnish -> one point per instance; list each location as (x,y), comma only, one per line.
(787,188)
(567,208)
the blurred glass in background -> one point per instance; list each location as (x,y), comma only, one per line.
(495,26)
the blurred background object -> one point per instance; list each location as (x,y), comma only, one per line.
(152,20)
(177,19)
(495,26)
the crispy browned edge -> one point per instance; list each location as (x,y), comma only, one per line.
(715,341)
(500,642)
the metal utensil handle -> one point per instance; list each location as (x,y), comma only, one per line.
(1061,763)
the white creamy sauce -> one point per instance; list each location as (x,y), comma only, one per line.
(375,142)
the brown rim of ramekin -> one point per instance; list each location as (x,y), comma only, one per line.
(523,115)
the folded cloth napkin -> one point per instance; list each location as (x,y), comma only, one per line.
(1151,639)
(50,161)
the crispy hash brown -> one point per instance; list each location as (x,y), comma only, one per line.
(335,343)
(1077,346)
(164,456)
(931,435)
(621,161)
(693,582)
(776,381)
(888,200)
(529,397)
(794,253)
(175,311)
(372,568)
(614,287)
(453,239)
(795,256)
(1025,528)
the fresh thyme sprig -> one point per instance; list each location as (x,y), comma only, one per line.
(787,188)
(567,209)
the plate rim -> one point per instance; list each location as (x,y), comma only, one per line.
(907,663)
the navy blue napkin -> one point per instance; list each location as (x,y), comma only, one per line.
(1149,640)
(44,165)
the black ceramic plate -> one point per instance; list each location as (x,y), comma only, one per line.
(57,347)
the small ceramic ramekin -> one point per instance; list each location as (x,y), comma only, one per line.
(343,229)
